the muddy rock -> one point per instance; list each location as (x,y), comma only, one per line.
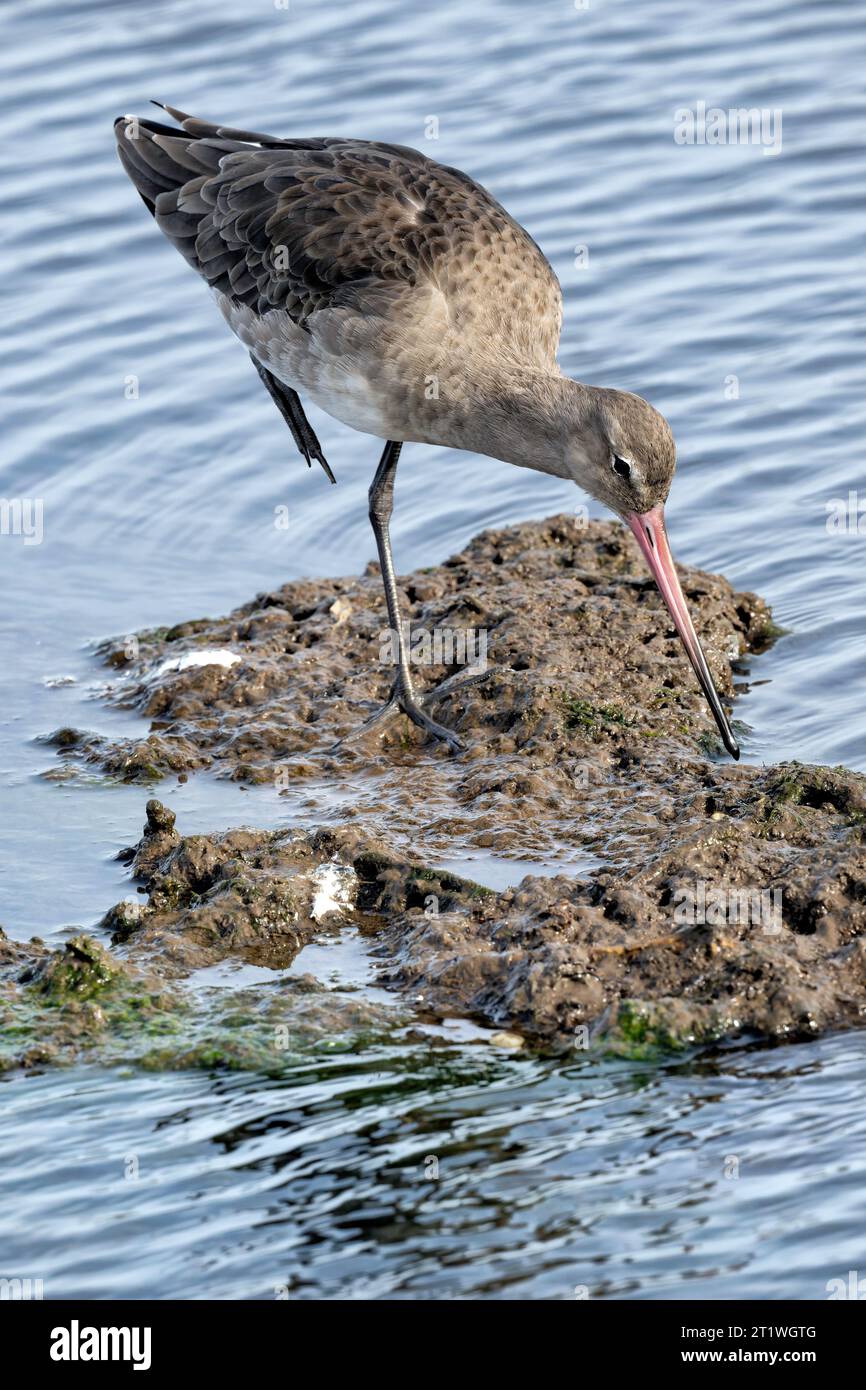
(255,895)
(260,896)
(749,920)
(751,924)
(698,901)
(585,681)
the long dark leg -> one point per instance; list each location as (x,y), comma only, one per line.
(381,500)
(288,403)
(402,696)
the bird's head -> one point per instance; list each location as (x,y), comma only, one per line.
(621,451)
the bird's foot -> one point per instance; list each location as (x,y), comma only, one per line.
(404,701)
(408,705)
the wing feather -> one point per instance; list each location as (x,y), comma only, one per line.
(293,225)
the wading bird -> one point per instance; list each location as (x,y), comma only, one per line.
(398,295)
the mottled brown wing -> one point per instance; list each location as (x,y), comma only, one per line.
(304,225)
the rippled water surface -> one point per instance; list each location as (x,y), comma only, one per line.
(723,283)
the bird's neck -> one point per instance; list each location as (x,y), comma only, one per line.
(522,414)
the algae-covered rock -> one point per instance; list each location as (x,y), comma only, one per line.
(273,1028)
(647,1030)
(80,1002)
(723,930)
(82,970)
(726,900)
(720,930)
(76,1000)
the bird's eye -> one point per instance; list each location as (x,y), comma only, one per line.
(620,466)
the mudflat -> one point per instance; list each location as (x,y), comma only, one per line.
(724,900)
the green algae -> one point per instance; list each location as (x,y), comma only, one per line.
(812,789)
(79,1000)
(649,1031)
(81,971)
(270,1031)
(593,719)
(80,1005)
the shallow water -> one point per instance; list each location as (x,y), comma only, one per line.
(450,1173)
(704,264)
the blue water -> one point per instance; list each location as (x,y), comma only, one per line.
(704,264)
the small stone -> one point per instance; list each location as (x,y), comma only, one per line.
(159,817)
(124,917)
(340,610)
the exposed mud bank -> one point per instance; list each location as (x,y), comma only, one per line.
(587,699)
(748,916)
(731,900)
(138,1000)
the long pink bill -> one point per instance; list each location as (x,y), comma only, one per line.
(649,528)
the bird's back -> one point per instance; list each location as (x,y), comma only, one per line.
(305,227)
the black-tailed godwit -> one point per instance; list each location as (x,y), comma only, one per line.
(398,295)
